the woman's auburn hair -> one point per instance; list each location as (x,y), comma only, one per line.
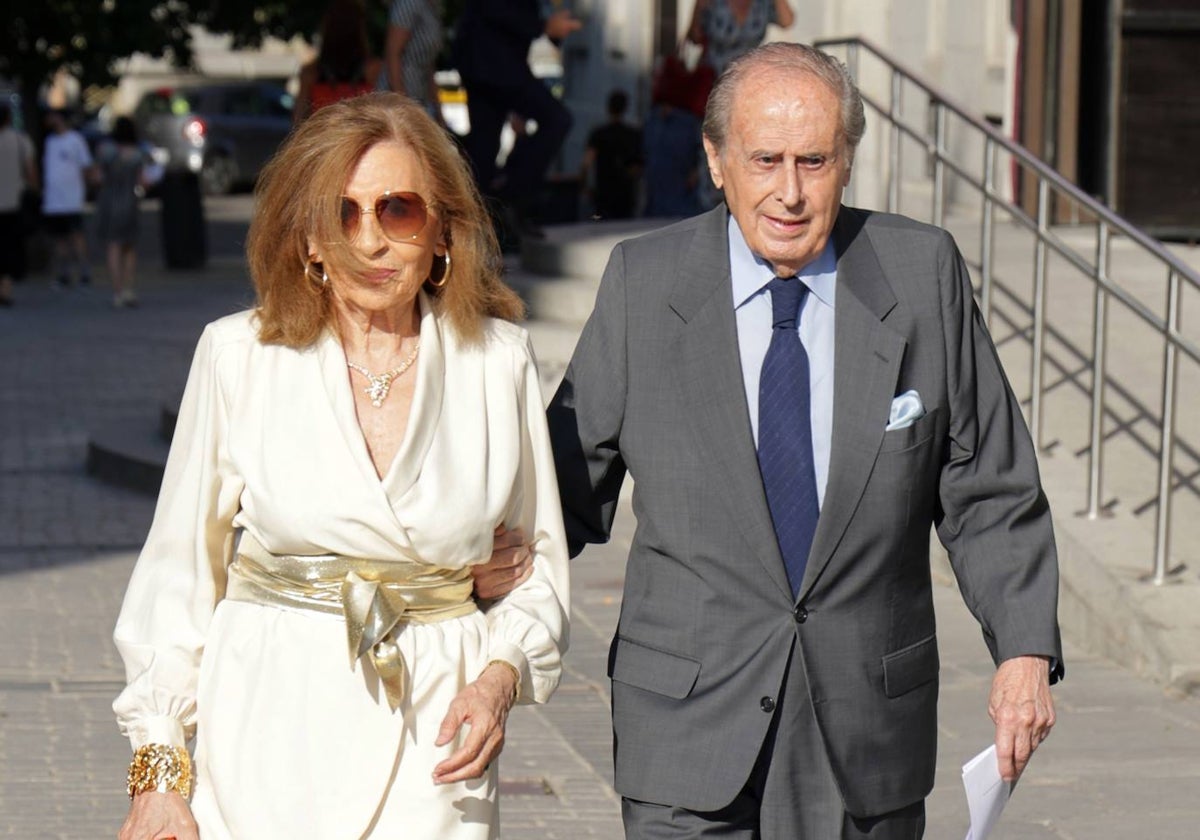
(298,200)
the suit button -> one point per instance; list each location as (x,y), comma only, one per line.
(800,614)
(767,705)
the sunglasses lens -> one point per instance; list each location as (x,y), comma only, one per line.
(401,216)
(350,217)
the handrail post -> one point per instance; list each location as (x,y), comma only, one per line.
(893,197)
(939,168)
(1039,312)
(1099,346)
(1162,528)
(987,231)
(853,66)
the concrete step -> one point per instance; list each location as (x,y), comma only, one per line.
(561,300)
(129,453)
(581,250)
(558,275)
(133,453)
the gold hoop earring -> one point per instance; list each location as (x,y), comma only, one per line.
(445,274)
(320,281)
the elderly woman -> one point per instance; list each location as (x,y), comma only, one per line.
(344,453)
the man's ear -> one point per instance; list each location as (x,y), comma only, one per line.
(714,163)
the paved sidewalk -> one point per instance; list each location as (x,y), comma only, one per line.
(1124,760)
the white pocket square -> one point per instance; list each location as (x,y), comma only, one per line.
(906,409)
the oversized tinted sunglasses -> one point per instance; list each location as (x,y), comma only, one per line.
(401,215)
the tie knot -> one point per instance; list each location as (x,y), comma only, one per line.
(787,296)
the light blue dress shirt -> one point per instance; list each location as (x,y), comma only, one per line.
(752,309)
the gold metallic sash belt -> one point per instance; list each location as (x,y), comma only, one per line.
(373,596)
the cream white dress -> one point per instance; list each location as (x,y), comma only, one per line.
(291,740)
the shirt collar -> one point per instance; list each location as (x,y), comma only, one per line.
(752,273)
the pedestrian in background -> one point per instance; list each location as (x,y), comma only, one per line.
(344,66)
(491,51)
(17,173)
(729,28)
(123,167)
(613,162)
(410,51)
(67,165)
(672,154)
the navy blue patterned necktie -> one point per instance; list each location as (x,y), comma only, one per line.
(785,451)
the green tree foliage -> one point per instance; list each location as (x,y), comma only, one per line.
(38,37)
(249,21)
(86,37)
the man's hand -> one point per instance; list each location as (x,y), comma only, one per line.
(1023,711)
(154,815)
(510,566)
(483,706)
(561,24)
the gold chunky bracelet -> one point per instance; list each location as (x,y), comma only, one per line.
(162,768)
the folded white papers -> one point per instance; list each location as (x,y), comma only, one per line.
(987,793)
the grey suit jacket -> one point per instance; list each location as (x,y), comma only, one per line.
(708,622)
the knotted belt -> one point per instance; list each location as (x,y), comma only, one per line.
(373,596)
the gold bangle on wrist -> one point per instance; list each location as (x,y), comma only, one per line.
(516,676)
(162,768)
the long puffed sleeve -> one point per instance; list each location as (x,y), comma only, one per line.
(528,628)
(180,574)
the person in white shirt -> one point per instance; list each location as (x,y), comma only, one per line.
(68,167)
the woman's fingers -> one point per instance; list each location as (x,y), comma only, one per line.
(470,761)
(482,706)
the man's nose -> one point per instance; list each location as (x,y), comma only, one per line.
(789,188)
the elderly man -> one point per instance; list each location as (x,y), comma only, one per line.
(800,390)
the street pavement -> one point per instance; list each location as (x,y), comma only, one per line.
(1123,762)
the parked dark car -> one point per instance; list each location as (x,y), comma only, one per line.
(224,132)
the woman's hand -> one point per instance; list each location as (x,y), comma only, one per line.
(158,816)
(484,705)
(510,566)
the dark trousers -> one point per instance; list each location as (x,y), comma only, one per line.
(791,793)
(488,107)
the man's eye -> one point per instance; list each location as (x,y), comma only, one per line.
(766,160)
(812,161)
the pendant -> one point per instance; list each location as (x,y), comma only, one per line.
(378,390)
(380,385)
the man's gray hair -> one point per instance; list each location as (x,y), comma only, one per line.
(779,55)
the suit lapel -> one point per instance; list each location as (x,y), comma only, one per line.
(867,356)
(713,388)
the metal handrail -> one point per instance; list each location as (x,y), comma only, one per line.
(1108,224)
